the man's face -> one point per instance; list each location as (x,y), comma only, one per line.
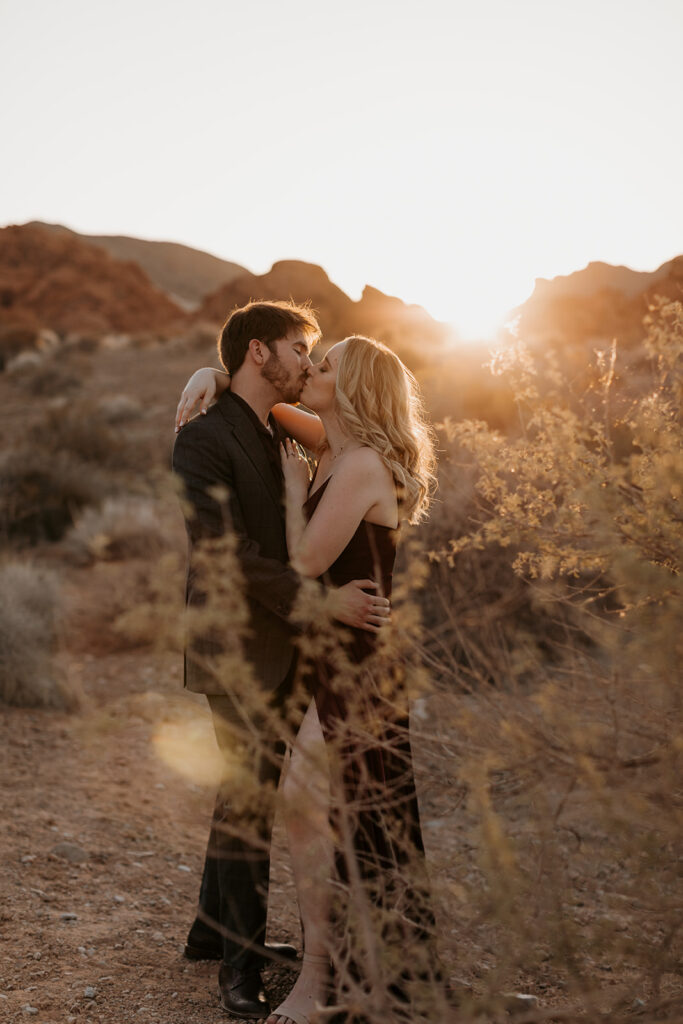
(287,366)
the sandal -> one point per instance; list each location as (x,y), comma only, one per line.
(301,1012)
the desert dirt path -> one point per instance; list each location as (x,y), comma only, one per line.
(101,852)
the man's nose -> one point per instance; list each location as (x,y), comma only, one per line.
(308,363)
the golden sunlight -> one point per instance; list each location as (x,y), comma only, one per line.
(189,749)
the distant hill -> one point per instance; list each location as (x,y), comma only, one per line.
(186,274)
(287,279)
(53,279)
(596,304)
(409,330)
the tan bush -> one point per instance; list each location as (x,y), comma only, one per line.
(38,374)
(124,527)
(572,781)
(41,491)
(29,628)
(119,408)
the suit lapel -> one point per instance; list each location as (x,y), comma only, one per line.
(248,439)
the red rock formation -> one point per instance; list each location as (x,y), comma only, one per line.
(409,330)
(57,281)
(288,279)
(186,275)
(596,304)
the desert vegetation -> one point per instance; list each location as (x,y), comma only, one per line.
(536,627)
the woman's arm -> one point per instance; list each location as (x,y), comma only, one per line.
(304,427)
(203,386)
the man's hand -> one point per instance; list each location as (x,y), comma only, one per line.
(352,606)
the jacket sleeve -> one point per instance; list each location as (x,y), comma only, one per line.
(205,469)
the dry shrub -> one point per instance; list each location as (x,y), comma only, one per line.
(116,606)
(38,375)
(29,629)
(16,338)
(83,430)
(41,491)
(571,783)
(123,527)
(119,408)
(74,457)
(200,336)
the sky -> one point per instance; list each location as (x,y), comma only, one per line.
(447,152)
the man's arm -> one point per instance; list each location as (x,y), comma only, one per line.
(197,460)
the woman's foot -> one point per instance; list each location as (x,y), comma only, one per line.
(309,993)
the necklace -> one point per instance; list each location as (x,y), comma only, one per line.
(341,449)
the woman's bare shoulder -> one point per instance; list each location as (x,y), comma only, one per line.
(365,462)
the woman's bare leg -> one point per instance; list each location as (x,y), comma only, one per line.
(306,795)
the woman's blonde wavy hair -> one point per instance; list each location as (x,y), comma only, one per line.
(379,405)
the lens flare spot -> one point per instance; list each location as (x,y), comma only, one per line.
(190,750)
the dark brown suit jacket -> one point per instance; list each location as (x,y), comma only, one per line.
(222,449)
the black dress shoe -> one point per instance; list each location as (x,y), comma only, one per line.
(242,993)
(214,951)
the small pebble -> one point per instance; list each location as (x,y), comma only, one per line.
(158,936)
(68,917)
(30,1011)
(89,992)
(28,859)
(37,956)
(184,867)
(119,899)
(71,852)
(90,950)
(81,950)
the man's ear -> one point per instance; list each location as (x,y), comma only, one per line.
(259,352)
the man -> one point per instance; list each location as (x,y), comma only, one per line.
(265,346)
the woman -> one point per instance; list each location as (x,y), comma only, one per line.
(375,468)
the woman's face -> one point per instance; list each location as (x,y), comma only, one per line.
(319,389)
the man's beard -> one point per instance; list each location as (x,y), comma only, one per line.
(289,388)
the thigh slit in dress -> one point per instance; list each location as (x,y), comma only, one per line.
(363,711)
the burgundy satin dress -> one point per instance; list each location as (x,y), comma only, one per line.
(364,716)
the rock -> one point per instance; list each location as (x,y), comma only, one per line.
(30,1011)
(158,937)
(119,899)
(89,992)
(68,917)
(71,852)
(184,867)
(37,956)
(519,1002)
(28,859)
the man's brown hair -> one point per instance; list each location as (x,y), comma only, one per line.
(267,321)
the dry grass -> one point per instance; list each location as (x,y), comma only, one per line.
(123,527)
(41,491)
(29,632)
